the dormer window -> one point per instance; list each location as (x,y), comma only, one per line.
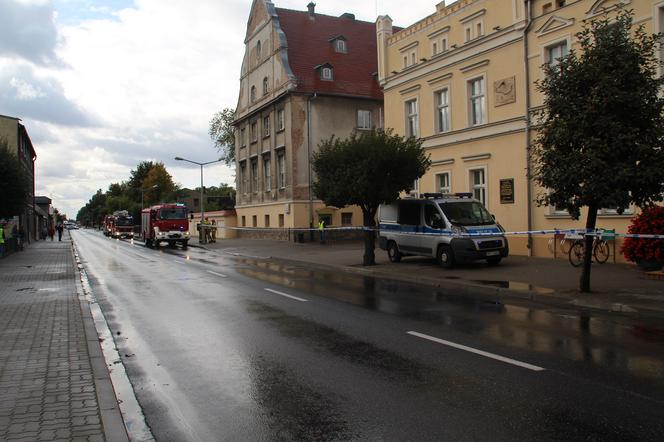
(339,44)
(325,71)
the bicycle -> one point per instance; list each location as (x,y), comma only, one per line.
(601,250)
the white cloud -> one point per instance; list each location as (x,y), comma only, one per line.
(149,74)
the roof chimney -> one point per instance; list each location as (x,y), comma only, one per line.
(311,7)
(348,15)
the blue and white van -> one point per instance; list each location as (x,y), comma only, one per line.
(433,226)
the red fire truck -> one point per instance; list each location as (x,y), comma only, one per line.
(123,225)
(165,223)
(108,225)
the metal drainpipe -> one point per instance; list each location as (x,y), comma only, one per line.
(529,192)
(311,199)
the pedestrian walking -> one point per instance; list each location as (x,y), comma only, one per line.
(213,231)
(2,239)
(60,229)
(321,229)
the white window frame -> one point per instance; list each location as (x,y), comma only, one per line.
(434,48)
(364,119)
(471,100)
(266,126)
(479,27)
(436,184)
(340,46)
(549,60)
(405,61)
(467,33)
(281,170)
(254,175)
(281,119)
(443,44)
(265,85)
(253,131)
(267,173)
(472,187)
(342,219)
(412,119)
(252,93)
(326,73)
(442,108)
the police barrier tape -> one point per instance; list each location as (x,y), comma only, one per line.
(604,234)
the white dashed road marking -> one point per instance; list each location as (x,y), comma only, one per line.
(286,295)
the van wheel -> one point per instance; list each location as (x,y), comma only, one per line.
(494,261)
(445,257)
(393,252)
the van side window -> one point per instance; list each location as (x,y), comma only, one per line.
(409,213)
(432,217)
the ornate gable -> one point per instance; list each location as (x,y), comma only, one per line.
(602,6)
(258,15)
(554,23)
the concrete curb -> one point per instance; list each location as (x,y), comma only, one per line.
(111,417)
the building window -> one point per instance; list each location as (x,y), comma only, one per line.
(254,175)
(411,118)
(468,34)
(434,48)
(340,46)
(347,218)
(267,220)
(243,177)
(326,74)
(254,131)
(443,182)
(281,220)
(478,184)
(555,52)
(254,221)
(364,119)
(244,221)
(243,137)
(442,111)
(405,61)
(253,93)
(281,119)
(265,86)
(267,173)
(479,29)
(281,170)
(258,50)
(266,126)
(413,58)
(477,103)
(443,44)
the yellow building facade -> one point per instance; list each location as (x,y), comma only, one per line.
(463,80)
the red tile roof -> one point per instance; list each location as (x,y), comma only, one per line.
(309,46)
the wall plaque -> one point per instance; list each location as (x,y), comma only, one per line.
(507,191)
(504,91)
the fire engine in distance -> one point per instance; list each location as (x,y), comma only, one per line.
(165,223)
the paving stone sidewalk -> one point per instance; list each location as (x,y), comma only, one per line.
(49,385)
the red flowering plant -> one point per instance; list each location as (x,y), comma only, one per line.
(650,221)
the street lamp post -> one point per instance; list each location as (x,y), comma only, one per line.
(143,192)
(203,236)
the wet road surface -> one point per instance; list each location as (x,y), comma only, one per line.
(224,348)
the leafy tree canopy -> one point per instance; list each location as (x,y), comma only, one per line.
(367,169)
(602,129)
(223,134)
(165,187)
(14,182)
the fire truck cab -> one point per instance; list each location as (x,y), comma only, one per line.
(165,223)
(108,225)
(123,225)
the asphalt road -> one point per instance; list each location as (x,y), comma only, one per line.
(225,348)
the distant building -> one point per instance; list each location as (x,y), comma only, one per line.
(192,199)
(19,143)
(44,214)
(305,77)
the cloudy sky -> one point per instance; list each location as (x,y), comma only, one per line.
(103,85)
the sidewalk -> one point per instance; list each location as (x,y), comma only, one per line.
(53,376)
(615,287)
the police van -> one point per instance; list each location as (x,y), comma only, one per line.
(434,226)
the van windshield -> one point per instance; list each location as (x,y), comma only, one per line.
(175,213)
(466,213)
(124,221)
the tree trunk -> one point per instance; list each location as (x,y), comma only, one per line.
(369,237)
(588,251)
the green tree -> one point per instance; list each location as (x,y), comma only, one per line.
(136,178)
(222,133)
(14,182)
(367,170)
(601,138)
(165,187)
